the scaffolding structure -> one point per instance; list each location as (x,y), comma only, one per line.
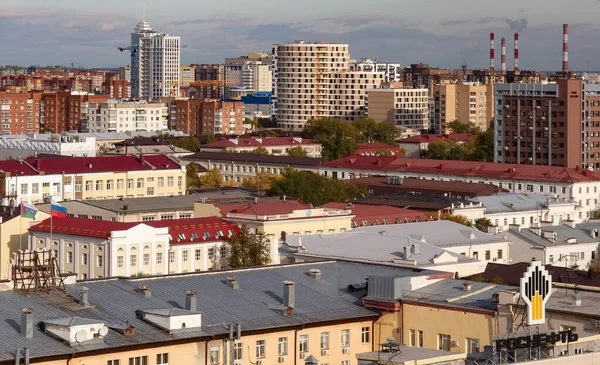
(37,270)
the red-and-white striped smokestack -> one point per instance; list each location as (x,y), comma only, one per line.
(492,53)
(565,66)
(516,51)
(503,56)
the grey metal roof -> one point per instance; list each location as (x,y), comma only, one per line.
(450,292)
(73,321)
(514,202)
(170,312)
(563,233)
(406,354)
(115,301)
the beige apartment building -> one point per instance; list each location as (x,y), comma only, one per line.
(313,80)
(469,103)
(406,108)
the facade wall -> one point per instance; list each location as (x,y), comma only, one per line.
(19,112)
(127,117)
(407,108)
(238,171)
(469,103)
(207,117)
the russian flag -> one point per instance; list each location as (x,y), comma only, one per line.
(58,211)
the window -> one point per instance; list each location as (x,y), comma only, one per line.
(161,182)
(443,342)
(78,186)
(303,343)
(88,185)
(69,257)
(99,184)
(413,338)
(472,345)
(487,255)
(184,255)
(345,338)
(237,349)
(324,340)
(179,181)
(214,355)
(365,335)
(223,252)
(420,338)
(149,191)
(110,184)
(185,215)
(260,349)
(119,184)
(499,254)
(167,217)
(99,261)
(148,218)
(113,362)
(140,183)
(211,253)
(282,348)
(129,183)
(35,188)
(345,362)
(171,257)
(582,256)
(162,359)
(146,259)
(170,181)
(84,258)
(150,180)
(551,259)
(119,261)
(476,255)
(133,260)
(140,360)
(159,258)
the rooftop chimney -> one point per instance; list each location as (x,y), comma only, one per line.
(315,274)
(516,51)
(191,300)
(289,293)
(145,290)
(577,299)
(565,63)
(27,323)
(503,56)
(83,298)
(232,282)
(467,286)
(492,53)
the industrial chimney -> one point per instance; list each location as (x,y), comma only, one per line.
(492,53)
(503,57)
(565,64)
(516,51)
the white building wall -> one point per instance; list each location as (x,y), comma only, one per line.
(117,116)
(53,144)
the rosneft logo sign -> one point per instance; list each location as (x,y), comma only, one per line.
(536,287)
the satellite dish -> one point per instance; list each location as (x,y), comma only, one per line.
(80,336)
(103,331)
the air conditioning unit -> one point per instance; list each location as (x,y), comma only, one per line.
(495,259)
(455,343)
(345,350)
(324,352)
(598,323)
(303,355)
(281,359)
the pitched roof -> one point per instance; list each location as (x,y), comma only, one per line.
(260,142)
(272,208)
(377,214)
(72,321)
(426,138)
(416,184)
(254,158)
(474,169)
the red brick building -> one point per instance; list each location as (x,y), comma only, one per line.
(119,89)
(19,112)
(64,111)
(203,117)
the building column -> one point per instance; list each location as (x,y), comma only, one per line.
(153,258)
(76,257)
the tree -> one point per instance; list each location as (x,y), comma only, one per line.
(314,188)
(460,219)
(209,138)
(445,150)
(484,145)
(212,179)
(456,126)
(482,224)
(369,131)
(297,151)
(191,175)
(260,151)
(187,143)
(387,133)
(262,181)
(337,137)
(248,249)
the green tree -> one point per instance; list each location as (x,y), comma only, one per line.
(445,150)
(337,137)
(314,188)
(297,151)
(484,145)
(191,175)
(248,249)
(210,138)
(187,143)
(482,224)
(262,181)
(387,133)
(260,151)
(212,179)
(456,126)
(369,131)
(266,122)
(460,219)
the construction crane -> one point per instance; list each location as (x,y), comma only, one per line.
(133,49)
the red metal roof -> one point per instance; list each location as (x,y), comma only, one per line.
(473,169)
(379,214)
(271,208)
(363,148)
(180,229)
(79,165)
(260,142)
(426,138)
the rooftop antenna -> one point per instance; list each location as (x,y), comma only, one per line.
(143,13)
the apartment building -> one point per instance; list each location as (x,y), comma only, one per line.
(553,123)
(187,74)
(19,112)
(313,80)
(119,89)
(206,90)
(155,62)
(125,116)
(206,117)
(83,178)
(467,102)
(252,71)
(406,108)
(579,185)
(125,73)
(92,248)
(209,72)
(278,146)
(392,71)
(67,111)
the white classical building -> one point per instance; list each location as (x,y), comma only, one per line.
(125,116)
(54,144)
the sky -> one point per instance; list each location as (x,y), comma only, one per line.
(441,33)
